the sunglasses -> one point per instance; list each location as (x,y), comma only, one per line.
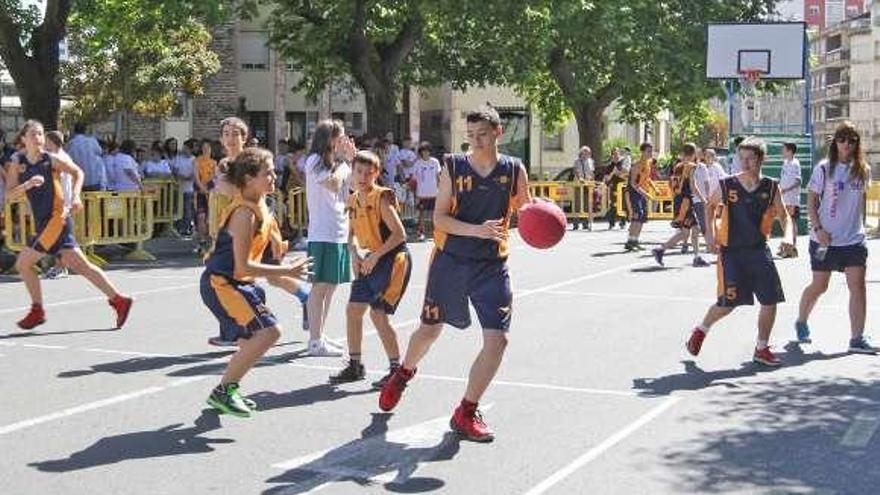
(847,139)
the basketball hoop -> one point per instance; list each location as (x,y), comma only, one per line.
(748,85)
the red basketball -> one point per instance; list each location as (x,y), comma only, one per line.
(541,224)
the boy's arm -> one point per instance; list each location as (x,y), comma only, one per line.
(398,235)
(242,225)
(781,213)
(711,205)
(522,196)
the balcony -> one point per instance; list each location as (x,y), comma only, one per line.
(835,58)
(832,92)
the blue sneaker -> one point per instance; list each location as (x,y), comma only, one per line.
(305,325)
(658,255)
(803,332)
(861,345)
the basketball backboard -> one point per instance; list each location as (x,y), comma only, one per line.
(776,50)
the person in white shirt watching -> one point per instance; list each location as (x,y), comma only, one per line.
(790,183)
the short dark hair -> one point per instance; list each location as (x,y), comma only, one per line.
(248,163)
(790,147)
(738,140)
(755,145)
(128,146)
(645,146)
(425,146)
(79,128)
(56,137)
(367,158)
(689,149)
(484,113)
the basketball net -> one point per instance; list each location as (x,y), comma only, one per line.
(748,86)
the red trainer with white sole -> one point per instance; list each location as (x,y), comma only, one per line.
(35,317)
(468,422)
(695,343)
(393,389)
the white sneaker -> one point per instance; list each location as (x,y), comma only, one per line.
(322,348)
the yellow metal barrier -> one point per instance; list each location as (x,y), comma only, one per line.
(121,218)
(580,200)
(168,206)
(297,210)
(106,218)
(872,206)
(660,198)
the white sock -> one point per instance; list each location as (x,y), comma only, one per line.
(762,344)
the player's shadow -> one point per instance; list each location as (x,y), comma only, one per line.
(324,392)
(171,440)
(605,254)
(694,378)
(26,334)
(655,268)
(220,367)
(788,435)
(140,364)
(372,460)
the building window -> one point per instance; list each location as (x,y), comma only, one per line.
(551,141)
(259,126)
(814,10)
(253,52)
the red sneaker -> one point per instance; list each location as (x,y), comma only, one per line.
(696,341)
(392,391)
(122,305)
(36,317)
(766,357)
(468,422)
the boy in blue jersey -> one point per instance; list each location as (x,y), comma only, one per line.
(37,174)
(748,203)
(478,192)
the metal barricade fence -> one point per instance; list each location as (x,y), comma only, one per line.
(660,200)
(580,200)
(168,207)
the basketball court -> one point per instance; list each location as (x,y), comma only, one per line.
(596,395)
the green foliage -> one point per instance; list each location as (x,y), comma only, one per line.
(608,145)
(136,55)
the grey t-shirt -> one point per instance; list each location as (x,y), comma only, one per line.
(841,203)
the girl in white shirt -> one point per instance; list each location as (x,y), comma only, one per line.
(835,205)
(327,188)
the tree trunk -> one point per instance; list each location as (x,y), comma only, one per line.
(381,110)
(589,122)
(40,100)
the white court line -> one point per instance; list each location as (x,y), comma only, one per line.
(598,450)
(91,406)
(652,297)
(529,292)
(44,346)
(100,298)
(859,434)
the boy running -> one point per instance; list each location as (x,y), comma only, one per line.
(749,202)
(37,174)
(478,191)
(684,187)
(382,264)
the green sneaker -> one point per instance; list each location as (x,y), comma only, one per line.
(228,400)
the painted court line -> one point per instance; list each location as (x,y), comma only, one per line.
(91,406)
(860,432)
(100,298)
(44,346)
(598,450)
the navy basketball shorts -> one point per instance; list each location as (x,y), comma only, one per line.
(55,235)
(455,280)
(639,207)
(839,258)
(239,307)
(383,288)
(747,273)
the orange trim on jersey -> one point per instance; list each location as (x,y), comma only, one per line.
(366,221)
(683,209)
(233,302)
(769,215)
(262,233)
(399,276)
(50,234)
(720,271)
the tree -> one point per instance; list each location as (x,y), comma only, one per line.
(576,57)
(365,42)
(148,35)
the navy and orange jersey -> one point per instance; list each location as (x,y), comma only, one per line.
(681,178)
(475,200)
(643,177)
(365,216)
(221,259)
(47,201)
(746,217)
